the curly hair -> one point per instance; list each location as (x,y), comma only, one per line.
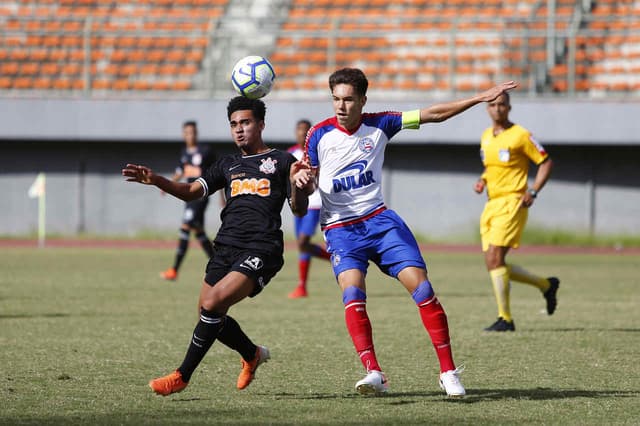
(240,103)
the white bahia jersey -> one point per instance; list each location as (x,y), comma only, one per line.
(315,203)
(350,180)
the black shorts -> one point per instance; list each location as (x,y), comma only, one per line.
(194,212)
(259,266)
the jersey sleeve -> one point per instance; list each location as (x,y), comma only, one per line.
(208,158)
(213,178)
(311,147)
(289,160)
(534,149)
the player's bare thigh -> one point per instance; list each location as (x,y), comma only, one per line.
(231,289)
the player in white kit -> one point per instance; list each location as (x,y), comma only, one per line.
(348,152)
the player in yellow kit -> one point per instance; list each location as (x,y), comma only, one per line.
(506,150)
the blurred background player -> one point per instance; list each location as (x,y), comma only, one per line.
(348,152)
(506,151)
(305,227)
(249,245)
(194,159)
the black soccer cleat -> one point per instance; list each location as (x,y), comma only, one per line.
(550,295)
(502,325)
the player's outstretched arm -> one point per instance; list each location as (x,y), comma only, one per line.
(144,175)
(303,184)
(441,112)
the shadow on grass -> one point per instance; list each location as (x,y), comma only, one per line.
(571,329)
(541,394)
(473,395)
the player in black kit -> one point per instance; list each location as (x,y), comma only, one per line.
(248,249)
(194,160)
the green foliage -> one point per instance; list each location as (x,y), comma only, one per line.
(83,330)
(560,237)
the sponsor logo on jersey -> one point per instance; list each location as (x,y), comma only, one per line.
(366,145)
(252,186)
(196,159)
(268,166)
(352,177)
(252,262)
(504,155)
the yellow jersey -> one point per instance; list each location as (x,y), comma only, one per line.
(506,159)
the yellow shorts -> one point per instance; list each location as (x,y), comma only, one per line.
(502,222)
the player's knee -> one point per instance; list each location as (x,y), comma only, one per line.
(211,316)
(215,302)
(353,293)
(423,292)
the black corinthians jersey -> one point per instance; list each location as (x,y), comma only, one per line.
(256,187)
(194,161)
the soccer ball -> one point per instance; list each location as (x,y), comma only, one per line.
(253,76)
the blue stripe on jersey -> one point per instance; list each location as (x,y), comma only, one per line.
(389,122)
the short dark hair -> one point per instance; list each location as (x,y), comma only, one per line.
(190,123)
(240,103)
(352,76)
(304,121)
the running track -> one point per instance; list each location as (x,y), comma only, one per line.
(426,248)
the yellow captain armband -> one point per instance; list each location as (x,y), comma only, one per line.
(411,119)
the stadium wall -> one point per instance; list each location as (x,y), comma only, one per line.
(82,145)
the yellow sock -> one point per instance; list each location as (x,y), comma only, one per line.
(518,273)
(501,288)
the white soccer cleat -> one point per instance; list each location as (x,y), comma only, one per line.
(450,383)
(374,383)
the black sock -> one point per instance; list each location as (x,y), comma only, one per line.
(183,246)
(203,337)
(205,242)
(232,335)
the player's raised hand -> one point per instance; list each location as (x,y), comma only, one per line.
(136,173)
(491,94)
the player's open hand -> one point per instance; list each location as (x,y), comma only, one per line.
(494,92)
(303,176)
(136,173)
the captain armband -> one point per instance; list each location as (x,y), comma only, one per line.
(411,119)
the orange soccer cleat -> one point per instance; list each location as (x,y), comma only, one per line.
(170,274)
(249,368)
(298,293)
(171,383)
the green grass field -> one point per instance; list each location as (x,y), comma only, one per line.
(83,330)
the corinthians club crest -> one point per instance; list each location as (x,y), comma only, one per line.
(268,166)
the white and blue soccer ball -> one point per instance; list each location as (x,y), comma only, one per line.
(253,76)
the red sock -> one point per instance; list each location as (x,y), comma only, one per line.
(303,271)
(435,321)
(359,327)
